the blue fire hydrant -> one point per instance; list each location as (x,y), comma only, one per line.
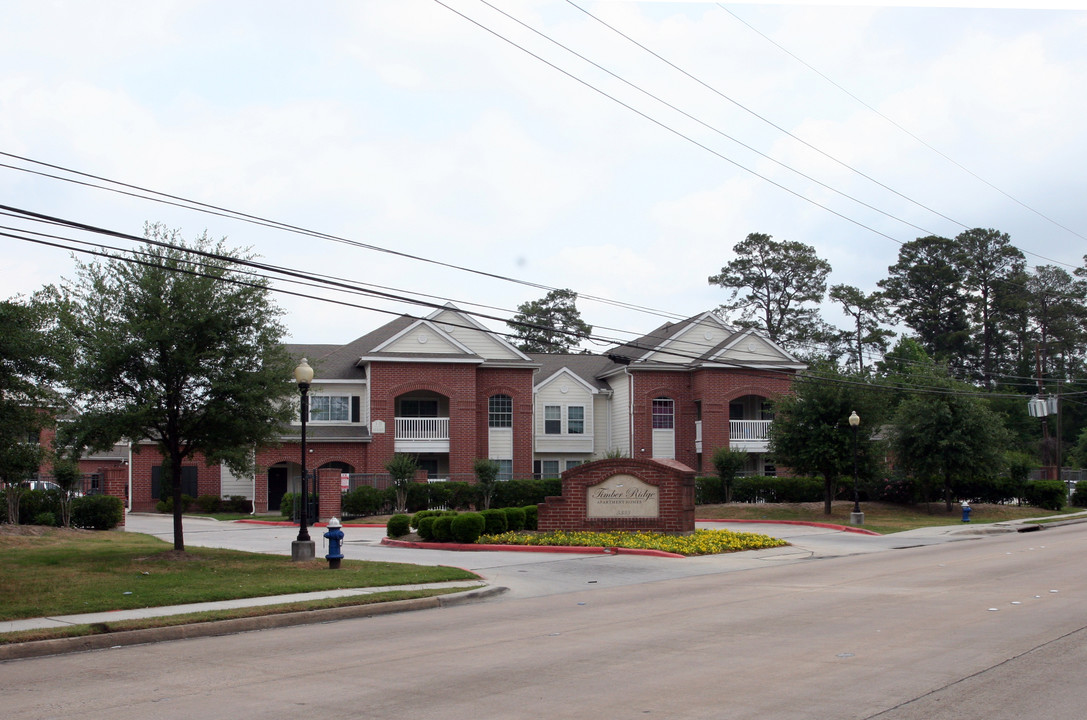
(966,511)
(335,544)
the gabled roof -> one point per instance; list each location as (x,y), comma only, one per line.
(586,368)
(703,340)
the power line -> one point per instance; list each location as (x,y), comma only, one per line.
(907,132)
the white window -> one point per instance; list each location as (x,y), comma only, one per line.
(552,419)
(575,420)
(505,469)
(545,469)
(500,411)
(663,414)
(330,408)
(572,464)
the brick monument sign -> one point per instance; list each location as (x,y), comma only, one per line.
(623,494)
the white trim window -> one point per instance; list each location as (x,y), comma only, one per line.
(330,408)
(552,420)
(500,411)
(575,420)
(571,464)
(505,470)
(663,414)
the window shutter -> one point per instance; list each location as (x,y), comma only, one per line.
(355,413)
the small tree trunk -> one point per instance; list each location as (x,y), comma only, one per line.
(179,509)
(828,494)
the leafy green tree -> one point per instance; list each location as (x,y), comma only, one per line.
(989,262)
(32,350)
(868,312)
(925,288)
(550,325)
(178,347)
(947,433)
(780,279)
(727,462)
(811,434)
(402,467)
(486,475)
(1058,314)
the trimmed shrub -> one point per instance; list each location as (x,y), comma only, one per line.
(238,504)
(495,522)
(531,514)
(515,518)
(897,490)
(167,505)
(209,504)
(425,527)
(1048,494)
(45,518)
(460,495)
(398,526)
(518,493)
(363,500)
(417,517)
(36,502)
(286,505)
(707,491)
(467,527)
(97,512)
(777,489)
(1079,496)
(443,528)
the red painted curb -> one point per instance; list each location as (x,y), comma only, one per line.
(830,526)
(531,548)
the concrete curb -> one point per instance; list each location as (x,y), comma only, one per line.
(805,523)
(58,646)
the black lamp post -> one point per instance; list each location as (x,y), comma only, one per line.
(303,548)
(856,517)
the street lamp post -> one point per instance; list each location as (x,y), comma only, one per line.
(303,548)
(856,517)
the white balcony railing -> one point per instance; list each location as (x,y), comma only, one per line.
(426,429)
(749,435)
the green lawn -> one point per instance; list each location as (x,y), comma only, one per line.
(63,572)
(878,517)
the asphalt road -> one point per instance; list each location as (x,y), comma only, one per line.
(992,628)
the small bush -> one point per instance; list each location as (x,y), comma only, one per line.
(398,526)
(1048,494)
(531,514)
(418,517)
(286,505)
(238,504)
(35,502)
(467,527)
(515,518)
(460,495)
(97,512)
(518,493)
(495,522)
(425,527)
(209,504)
(1079,495)
(167,505)
(777,489)
(45,518)
(443,528)
(363,500)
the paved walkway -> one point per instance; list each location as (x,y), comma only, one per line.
(523,574)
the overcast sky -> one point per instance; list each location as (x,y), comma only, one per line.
(418,126)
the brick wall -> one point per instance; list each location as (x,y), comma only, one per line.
(517,383)
(673,480)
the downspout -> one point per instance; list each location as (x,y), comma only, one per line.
(129,463)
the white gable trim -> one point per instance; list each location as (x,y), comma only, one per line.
(433,328)
(788,357)
(677,335)
(569,373)
(450,307)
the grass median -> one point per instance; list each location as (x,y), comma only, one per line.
(879,517)
(50,571)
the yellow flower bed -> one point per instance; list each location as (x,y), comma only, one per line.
(702,542)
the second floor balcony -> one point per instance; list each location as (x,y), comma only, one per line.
(746,435)
(422,434)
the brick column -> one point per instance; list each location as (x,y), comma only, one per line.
(329,494)
(115,483)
